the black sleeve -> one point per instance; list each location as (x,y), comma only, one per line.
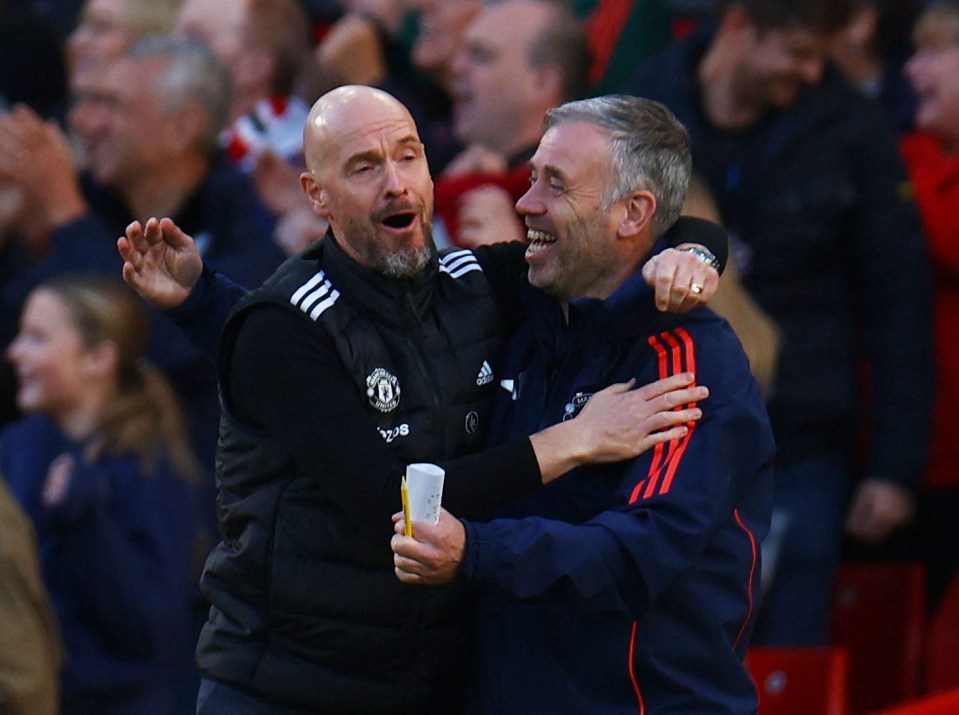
(708,234)
(290,382)
(504,265)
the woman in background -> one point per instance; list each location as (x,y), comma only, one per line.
(101,464)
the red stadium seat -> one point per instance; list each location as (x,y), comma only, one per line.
(800,681)
(942,644)
(878,615)
(943,704)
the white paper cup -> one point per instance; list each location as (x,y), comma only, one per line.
(424,485)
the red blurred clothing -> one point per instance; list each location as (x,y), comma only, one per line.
(935,178)
(449,190)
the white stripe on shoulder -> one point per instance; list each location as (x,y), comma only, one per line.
(459,263)
(315,296)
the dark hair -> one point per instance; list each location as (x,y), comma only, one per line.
(562,42)
(823,16)
(282,28)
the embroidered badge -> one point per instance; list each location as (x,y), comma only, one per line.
(472,422)
(383,389)
(576,405)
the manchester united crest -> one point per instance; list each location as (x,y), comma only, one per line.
(383,389)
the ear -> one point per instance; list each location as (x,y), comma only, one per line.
(101,360)
(636,219)
(253,71)
(184,127)
(547,84)
(316,195)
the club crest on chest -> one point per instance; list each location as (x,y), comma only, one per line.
(383,389)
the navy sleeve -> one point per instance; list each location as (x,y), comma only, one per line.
(141,528)
(668,505)
(204,313)
(892,291)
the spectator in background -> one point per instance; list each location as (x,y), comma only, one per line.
(30,650)
(367,46)
(932,156)
(871,50)
(149,129)
(808,181)
(102,466)
(519,58)
(107,29)
(266,46)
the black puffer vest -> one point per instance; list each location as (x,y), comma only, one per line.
(299,614)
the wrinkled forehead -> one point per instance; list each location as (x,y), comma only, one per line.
(572,146)
(361,126)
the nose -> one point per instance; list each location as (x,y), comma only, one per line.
(528,204)
(912,67)
(395,179)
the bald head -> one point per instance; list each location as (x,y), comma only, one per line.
(346,111)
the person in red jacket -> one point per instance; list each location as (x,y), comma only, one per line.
(932,158)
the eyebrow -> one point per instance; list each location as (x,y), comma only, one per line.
(551,172)
(375,154)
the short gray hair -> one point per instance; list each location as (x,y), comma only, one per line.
(649,150)
(193,72)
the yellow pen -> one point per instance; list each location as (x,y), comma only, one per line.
(405,496)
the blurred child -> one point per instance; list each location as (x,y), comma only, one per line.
(101,464)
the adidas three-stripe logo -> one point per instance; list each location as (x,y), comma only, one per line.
(458,263)
(485,374)
(315,296)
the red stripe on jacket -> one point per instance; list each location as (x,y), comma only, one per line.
(752,574)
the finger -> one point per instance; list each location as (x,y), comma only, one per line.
(405,576)
(665,278)
(685,396)
(130,275)
(673,418)
(666,384)
(174,235)
(667,435)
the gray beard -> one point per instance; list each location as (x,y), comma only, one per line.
(404,264)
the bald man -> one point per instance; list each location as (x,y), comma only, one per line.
(363,354)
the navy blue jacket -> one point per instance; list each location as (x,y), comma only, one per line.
(827,240)
(629,587)
(117,557)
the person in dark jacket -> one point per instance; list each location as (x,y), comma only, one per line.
(365,353)
(810,184)
(102,466)
(632,586)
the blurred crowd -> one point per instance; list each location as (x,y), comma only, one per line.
(825,139)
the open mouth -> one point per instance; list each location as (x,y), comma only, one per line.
(399,221)
(538,240)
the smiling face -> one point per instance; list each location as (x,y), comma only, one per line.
(933,72)
(369,178)
(572,250)
(48,356)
